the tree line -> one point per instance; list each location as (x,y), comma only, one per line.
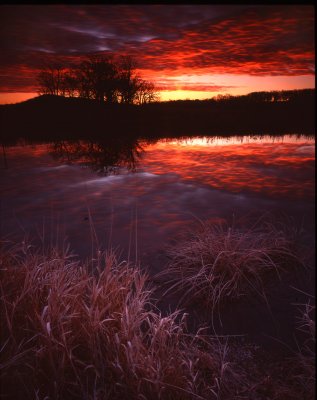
(99,78)
(273,96)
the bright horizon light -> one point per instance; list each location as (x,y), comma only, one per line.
(264,84)
(186,51)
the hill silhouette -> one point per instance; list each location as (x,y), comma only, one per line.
(49,117)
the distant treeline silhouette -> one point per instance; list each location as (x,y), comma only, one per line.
(50,117)
(99,78)
(297,95)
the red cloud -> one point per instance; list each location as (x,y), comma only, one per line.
(269,44)
(253,40)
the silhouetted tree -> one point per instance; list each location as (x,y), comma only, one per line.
(50,80)
(70,84)
(146,92)
(98,77)
(224,97)
(128,81)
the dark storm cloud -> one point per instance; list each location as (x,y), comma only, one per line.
(261,40)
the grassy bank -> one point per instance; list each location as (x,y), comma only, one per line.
(74,330)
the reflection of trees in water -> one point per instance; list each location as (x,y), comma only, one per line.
(105,156)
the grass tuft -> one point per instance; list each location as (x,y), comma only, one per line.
(218,263)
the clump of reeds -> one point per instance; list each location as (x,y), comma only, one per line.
(217,262)
(87,331)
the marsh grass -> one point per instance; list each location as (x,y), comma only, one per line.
(89,330)
(73,330)
(216,263)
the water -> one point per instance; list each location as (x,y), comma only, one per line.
(137,196)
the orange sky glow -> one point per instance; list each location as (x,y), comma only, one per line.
(188,52)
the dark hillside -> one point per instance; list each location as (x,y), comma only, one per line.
(257,113)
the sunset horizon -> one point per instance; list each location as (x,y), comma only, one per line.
(158,202)
(188,52)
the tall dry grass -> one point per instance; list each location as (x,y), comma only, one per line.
(217,263)
(71,330)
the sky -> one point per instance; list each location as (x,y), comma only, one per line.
(187,51)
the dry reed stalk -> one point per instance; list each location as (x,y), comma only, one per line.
(79,331)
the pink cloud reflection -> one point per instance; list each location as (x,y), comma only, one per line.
(267,167)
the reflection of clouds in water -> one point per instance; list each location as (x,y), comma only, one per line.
(306,149)
(164,205)
(170,190)
(55,168)
(272,169)
(113,179)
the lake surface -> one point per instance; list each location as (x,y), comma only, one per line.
(137,196)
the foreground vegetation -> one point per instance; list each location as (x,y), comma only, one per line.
(68,332)
(217,263)
(89,331)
